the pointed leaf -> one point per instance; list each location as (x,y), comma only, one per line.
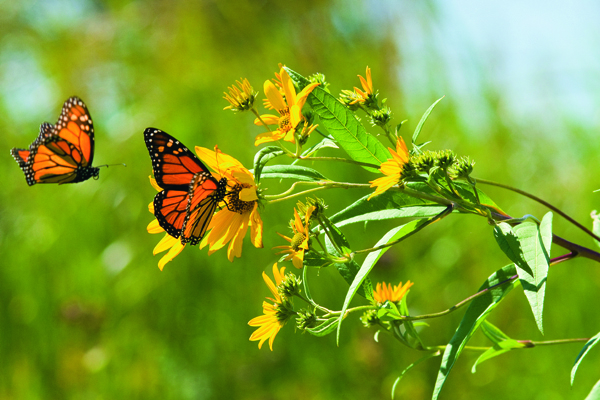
(263,156)
(296,172)
(325,328)
(423,119)
(498,348)
(343,125)
(499,286)
(492,332)
(387,205)
(528,246)
(588,346)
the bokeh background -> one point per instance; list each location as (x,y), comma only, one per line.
(86,314)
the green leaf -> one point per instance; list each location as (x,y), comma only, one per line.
(498,348)
(343,125)
(423,119)
(305,283)
(263,156)
(595,393)
(493,333)
(588,346)
(296,172)
(477,312)
(387,205)
(468,192)
(373,257)
(528,246)
(325,328)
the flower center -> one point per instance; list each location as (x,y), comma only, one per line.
(237,205)
(284,121)
(297,241)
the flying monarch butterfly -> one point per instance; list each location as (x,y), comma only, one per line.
(190,195)
(62,153)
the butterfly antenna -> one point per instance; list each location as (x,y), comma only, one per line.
(112,165)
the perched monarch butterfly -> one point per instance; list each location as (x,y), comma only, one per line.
(190,193)
(62,153)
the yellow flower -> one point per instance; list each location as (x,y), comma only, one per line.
(288,106)
(367,84)
(299,242)
(392,169)
(168,242)
(274,315)
(230,224)
(240,98)
(383,292)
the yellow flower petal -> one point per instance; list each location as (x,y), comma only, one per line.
(268,119)
(174,252)
(274,96)
(165,243)
(268,137)
(288,88)
(154,227)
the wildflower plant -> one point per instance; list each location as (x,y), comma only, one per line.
(412,184)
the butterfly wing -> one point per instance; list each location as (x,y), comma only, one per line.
(170,209)
(174,165)
(203,201)
(61,153)
(187,202)
(75,126)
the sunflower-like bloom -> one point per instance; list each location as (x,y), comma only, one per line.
(299,242)
(383,292)
(288,105)
(392,168)
(240,97)
(168,242)
(367,85)
(230,224)
(274,315)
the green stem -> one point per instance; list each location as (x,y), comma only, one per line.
(326,230)
(321,185)
(460,304)
(543,202)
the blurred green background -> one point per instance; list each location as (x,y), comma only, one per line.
(86,314)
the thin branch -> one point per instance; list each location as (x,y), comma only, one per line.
(541,201)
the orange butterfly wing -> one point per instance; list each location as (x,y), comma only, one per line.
(202,203)
(62,153)
(190,194)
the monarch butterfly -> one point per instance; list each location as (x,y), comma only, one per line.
(62,153)
(190,195)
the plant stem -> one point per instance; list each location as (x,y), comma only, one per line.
(541,201)
(460,304)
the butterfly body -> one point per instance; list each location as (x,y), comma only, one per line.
(62,153)
(190,194)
